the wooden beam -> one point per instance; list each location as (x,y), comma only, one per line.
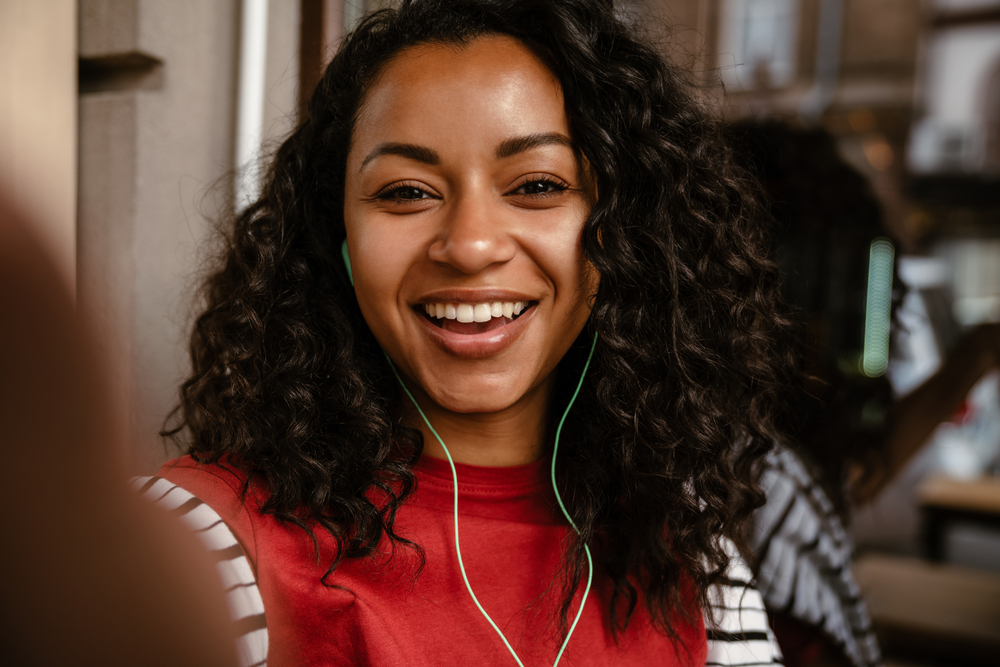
(320,32)
(966,17)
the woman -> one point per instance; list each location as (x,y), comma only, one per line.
(504,229)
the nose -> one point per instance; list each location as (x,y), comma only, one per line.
(473,235)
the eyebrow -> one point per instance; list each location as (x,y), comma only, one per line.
(411,151)
(511,147)
(507,148)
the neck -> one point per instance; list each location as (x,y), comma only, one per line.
(513,436)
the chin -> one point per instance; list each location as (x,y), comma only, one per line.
(476,397)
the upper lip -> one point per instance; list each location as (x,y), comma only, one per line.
(473,295)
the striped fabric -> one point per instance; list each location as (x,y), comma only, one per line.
(238,580)
(805,558)
(738,632)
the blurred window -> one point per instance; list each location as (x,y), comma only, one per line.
(354,11)
(761,37)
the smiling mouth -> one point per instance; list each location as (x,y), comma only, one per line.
(473,318)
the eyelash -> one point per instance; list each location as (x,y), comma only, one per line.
(556,186)
(392,191)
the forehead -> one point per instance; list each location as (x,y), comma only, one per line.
(491,88)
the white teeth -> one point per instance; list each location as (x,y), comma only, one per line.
(478,312)
(481,313)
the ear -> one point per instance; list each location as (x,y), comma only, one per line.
(347,261)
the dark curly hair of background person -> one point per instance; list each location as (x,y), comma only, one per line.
(826,217)
(289,384)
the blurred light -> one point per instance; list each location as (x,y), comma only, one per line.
(878,152)
(972,310)
(875,359)
(976,274)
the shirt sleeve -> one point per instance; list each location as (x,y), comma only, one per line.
(805,555)
(739,634)
(238,581)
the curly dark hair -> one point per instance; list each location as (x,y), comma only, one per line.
(289,384)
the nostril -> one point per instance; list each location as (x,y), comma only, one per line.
(472,248)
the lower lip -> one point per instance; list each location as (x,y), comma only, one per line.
(477,346)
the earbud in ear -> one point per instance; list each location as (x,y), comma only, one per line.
(347,261)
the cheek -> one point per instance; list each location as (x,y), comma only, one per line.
(378,262)
(574,278)
(379,266)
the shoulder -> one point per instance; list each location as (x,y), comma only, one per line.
(206,496)
(798,528)
(737,625)
(271,543)
(804,557)
(220,482)
(793,492)
(196,492)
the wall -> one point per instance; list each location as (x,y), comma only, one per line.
(156,149)
(38,118)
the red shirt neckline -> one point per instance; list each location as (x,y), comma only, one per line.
(517,493)
(530,475)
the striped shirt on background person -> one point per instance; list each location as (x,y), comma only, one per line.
(739,634)
(737,628)
(805,555)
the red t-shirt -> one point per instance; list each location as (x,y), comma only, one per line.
(374,612)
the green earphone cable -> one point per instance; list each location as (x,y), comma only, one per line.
(454,477)
(555,451)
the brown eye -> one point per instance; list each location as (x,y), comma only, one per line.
(539,187)
(405,192)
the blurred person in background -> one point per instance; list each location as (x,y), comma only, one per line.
(89,573)
(850,436)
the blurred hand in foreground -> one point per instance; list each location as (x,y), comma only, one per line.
(89,573)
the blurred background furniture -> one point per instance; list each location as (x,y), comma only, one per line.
(945,501)
(932,613)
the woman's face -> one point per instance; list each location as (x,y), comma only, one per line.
(464,205)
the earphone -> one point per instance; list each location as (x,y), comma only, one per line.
(454,477)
